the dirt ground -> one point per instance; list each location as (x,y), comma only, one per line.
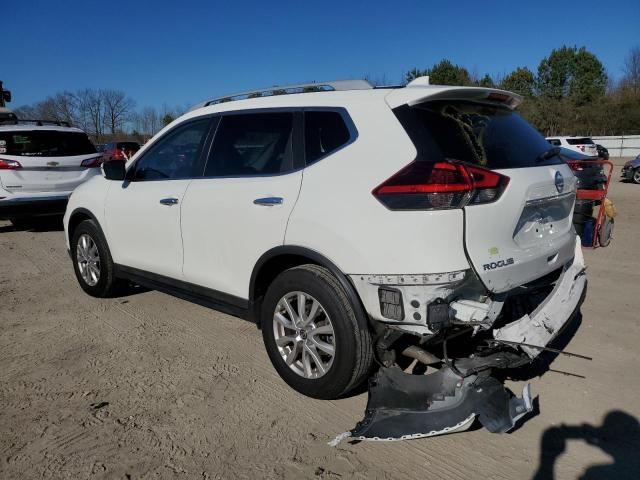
(149,386)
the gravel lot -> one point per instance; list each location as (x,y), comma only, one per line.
(149,386)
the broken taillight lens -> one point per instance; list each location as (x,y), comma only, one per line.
(441,185)
(9,164)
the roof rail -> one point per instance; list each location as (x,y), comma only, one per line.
(336,85)
(40,123)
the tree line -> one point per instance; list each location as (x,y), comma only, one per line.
(569,94)
(105,114)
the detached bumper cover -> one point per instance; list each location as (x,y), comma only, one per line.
(402,406)
(33,206)
(544,324)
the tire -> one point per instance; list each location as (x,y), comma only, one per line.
(89,235)
(21,223)
(352,359)
(636,176)
(606,232)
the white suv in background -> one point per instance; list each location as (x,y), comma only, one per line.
(41,163)
(583,145)
(348,222)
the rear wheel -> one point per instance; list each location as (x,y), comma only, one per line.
(313,335)
(92,262)
(606,232)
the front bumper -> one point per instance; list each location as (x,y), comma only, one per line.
(627,172)
(21,207)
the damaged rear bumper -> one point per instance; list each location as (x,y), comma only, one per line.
(405,405)
(402,406)
(549,318)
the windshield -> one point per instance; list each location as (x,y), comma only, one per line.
(486,135)
(45,143)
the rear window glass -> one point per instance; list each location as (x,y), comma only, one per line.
(579,141)
(252,144)
(485,135)
(324,132)
(128,146)
(45,143)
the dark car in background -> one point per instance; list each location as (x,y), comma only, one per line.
(119,150)
(603,153)
(631,170)
(590,176)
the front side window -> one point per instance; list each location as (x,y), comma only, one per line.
(45,143)
(252,144)
(324,133)
(175,155)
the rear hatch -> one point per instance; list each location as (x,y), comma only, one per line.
(584,145)
(518,212)
(45,160)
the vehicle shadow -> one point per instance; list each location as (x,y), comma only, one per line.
(618,436)
(35,224)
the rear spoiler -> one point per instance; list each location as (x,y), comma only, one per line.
(413,95)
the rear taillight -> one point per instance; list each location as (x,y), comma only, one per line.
(92,162)
(575,166)
(9,164)
(442,185)
(118,155)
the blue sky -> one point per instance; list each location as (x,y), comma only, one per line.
(179,52)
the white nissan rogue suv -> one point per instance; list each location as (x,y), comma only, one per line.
(351,223)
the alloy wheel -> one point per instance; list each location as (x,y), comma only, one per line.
(88,258)
(304,335)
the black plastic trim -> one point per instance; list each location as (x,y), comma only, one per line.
(206,297)
(32,207)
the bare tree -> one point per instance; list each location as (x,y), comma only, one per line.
(117,108)
(631,69)
(92,108)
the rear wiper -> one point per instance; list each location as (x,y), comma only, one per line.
(552,152)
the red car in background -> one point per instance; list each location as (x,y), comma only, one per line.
(119,150)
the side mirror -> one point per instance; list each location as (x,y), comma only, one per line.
(114,170)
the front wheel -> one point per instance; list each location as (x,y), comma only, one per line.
(636,175)
(92,262)
(313,335)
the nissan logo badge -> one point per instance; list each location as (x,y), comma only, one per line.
(559,182)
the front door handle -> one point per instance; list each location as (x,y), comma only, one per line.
(169,201)
(268,201)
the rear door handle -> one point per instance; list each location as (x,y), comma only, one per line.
(268,201)
(169,201)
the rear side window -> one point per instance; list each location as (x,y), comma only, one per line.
(485,135)
(252,144)
(45,143)
(554,141)
(579,141)
(324,133)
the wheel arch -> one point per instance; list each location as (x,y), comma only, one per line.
(278,259)
(78,216)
